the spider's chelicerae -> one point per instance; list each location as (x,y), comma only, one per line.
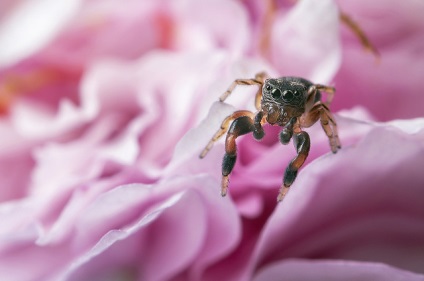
(292,103)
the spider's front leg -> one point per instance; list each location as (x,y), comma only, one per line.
(258,132)
(302,143)
(240,126)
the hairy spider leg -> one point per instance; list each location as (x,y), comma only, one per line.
(320,110)
(329,90)
(314,90)
(258,80)
(240,126)
(330,126)
(302,143)
(224,127)
(328,123)
(261,76)
(356,29)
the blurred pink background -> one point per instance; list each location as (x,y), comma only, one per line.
(105,106)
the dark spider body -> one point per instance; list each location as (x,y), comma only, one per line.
(284,98)
(292,103)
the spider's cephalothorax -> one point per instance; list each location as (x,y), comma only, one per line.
(292,103)
(284,98)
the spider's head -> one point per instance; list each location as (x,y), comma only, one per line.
(284,98)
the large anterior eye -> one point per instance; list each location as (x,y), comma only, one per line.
(276,93)
(288,95)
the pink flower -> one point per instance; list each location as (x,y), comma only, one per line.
(103,125)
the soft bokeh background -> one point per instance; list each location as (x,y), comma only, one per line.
(105,106)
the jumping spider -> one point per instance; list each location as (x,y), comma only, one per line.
(289,102)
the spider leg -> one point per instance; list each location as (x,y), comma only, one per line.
(240,126)
(314,90)
(356,29)
(329,90)
(258,80)
(328,123)
(302,143)
(261,76)
(224,127)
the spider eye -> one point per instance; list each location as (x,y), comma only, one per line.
(268,87)
(276,93)
(288,95)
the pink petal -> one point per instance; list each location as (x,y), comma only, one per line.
(202,31)
(391,88)
(25,30)
(328,270)
(184,225)
(360,204)
(298,48)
